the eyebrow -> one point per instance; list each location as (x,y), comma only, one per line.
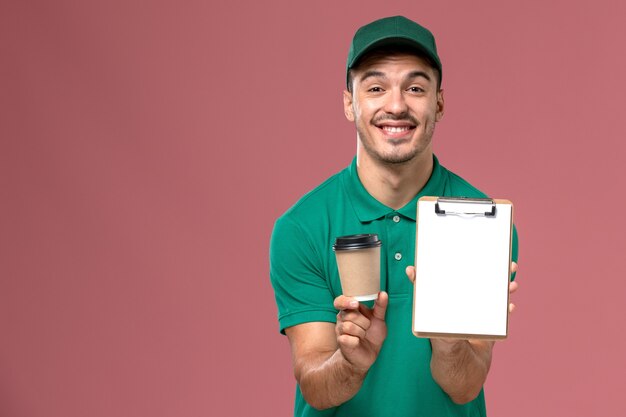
(416,74)
(380,74)
(371,74)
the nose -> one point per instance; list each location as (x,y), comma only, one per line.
(396,102)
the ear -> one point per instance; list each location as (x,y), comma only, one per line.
(440,106)
(348,110)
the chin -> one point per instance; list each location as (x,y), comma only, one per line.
(396,158)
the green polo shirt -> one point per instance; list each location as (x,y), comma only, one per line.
(305,278)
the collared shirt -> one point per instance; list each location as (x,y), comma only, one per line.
(304,274)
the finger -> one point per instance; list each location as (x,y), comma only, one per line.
(410,273)
(357,317)
(352,323)
(513,286)
(380,307)
(351,329)
(345,303)
(346,341)
(513,267)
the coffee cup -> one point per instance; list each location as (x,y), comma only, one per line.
(358,261)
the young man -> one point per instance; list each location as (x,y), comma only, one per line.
(349,359)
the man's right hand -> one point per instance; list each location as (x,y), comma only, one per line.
(360,330)
(331,364)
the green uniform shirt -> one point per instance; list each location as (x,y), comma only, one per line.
(305,278)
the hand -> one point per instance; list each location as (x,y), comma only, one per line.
(460,366)
(360,330)
(513,286)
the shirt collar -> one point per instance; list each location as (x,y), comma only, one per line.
(367,208)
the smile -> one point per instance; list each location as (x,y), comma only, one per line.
(396,129)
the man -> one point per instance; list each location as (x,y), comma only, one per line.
(350,359)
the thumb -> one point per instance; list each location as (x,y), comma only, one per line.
(410,273)
(380,306)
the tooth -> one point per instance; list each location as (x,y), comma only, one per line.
(396,129)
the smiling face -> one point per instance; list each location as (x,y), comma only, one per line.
(395,103)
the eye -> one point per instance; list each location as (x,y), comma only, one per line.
(416,89)
(375,89)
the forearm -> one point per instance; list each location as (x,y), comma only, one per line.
(331,360)
(329,382)
(460,367)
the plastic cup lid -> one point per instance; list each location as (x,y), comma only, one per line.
(362,241)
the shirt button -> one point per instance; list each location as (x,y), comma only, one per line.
(396,218)
(398,256)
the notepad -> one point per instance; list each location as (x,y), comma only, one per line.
(463,268)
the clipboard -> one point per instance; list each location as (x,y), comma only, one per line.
(463,268)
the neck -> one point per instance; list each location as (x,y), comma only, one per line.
(394,185)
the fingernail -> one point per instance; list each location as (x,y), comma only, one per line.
(354,304)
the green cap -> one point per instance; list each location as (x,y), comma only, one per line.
(396,30)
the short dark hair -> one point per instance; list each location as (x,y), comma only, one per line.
(390,51)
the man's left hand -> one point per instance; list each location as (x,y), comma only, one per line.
(459,366)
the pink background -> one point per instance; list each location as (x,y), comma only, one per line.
(146,149)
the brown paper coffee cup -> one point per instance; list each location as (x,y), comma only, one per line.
(358,261)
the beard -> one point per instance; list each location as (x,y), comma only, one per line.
(397,155)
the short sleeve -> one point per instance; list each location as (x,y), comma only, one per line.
(296,271)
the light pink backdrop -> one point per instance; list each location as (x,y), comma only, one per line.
(146,149)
